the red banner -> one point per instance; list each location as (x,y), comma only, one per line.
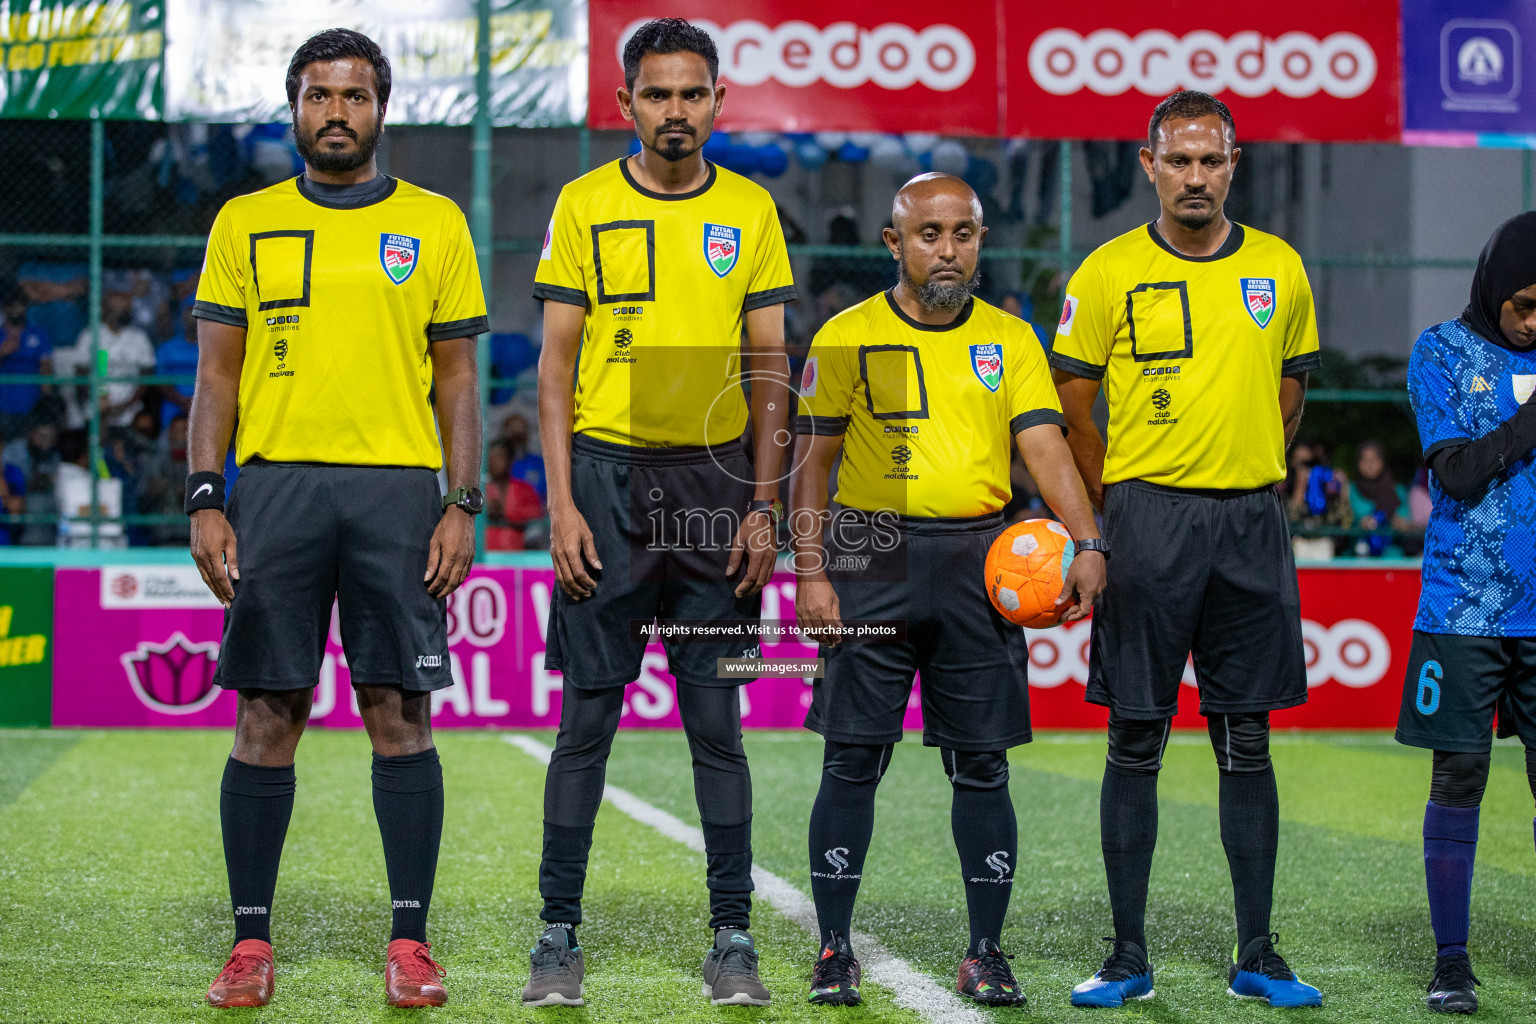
(1357,626)
(1322,70)
(797,66)
(1306,70)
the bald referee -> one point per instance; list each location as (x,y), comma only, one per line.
(335,310)
(1201,332)
(653,267)
(923,389)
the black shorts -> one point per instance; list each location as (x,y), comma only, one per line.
(1453,685)
(1208,573)
(663,521)
(308,535)
(973,662)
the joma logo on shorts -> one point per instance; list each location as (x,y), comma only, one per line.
(429,661)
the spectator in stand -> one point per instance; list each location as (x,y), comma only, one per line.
(72,493)
(13,498)
(510,504)
(526,466)
(160,488)
(1379,501)
(1319,493)
(128,353)
(24,348)
(149,299)
(56,293)
(177,356)
(37,456)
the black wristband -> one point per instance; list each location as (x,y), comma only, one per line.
(204,490)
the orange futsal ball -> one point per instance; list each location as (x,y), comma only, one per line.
(1026,568)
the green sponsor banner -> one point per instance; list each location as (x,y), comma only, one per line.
(26,645)
(227,60)
(82,58)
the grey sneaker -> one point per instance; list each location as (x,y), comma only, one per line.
(730,971)
(555,979)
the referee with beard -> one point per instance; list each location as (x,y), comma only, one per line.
(336,310)
(1201,332)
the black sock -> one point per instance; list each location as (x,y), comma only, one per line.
(842,822)
(255,804)
(573,790)
(722,787)
(987,838)
(1128,836)
(1250,832)
(408,801)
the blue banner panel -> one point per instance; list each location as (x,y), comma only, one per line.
(1469,73)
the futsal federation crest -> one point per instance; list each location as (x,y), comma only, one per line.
(987,361)
(1259,295)
(722,246)
(398,254)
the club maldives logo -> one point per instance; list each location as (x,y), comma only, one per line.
(722,245)
(1259,295)
(987,361)
(399,254)
(173,678)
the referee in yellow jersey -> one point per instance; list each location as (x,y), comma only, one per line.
(336,309)
(1201,332)
(652,267)
(924,390)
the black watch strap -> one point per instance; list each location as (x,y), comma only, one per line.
(1098,544)
(470,499)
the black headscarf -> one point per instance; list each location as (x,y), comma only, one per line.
(1507,265)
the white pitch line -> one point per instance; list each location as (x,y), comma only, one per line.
(912,989)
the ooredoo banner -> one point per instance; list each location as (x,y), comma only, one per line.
(796,66)
(136,646)
(1318,70)
(1324,70)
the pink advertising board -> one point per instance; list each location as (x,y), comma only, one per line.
(136,647)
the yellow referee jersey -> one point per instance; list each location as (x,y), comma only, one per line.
(928,413)
(665,279)
(1191,351)
(340,305)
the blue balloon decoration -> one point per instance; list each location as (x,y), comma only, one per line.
(849,153)
(741,159)
(716,147)
(810,155)
(772,160)
(634,146)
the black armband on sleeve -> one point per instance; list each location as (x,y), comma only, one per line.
(1464,468)
(204,490)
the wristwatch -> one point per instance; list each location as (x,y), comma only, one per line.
(1098,544)
(470,499)
(774,509)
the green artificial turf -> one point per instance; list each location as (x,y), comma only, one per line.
(113,905)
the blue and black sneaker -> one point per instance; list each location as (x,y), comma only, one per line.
(1125,975)
(1453,990)
(1258,972)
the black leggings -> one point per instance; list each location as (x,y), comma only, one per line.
(573,789)
(1240,741)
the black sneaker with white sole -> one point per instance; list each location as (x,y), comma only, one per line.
(556,970)
(730,971)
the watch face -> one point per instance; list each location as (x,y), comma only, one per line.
(474,500)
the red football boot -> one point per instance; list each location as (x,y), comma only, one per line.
(246,979)
(412,977)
